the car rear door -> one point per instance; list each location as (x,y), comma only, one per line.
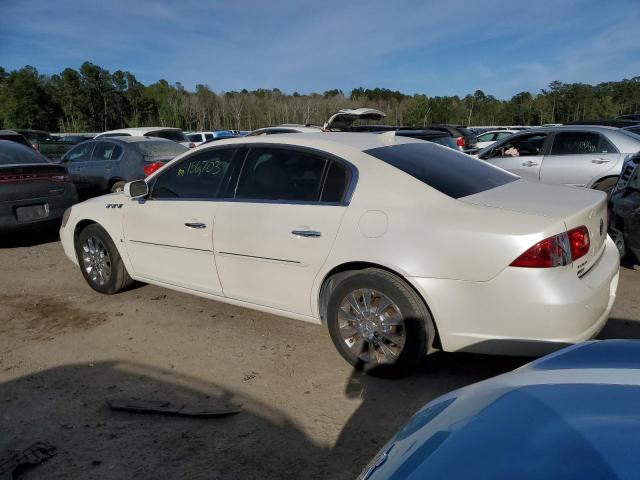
(169,235)
(578,158)
(104,162)
(520,154)
(273,237)
(76,161)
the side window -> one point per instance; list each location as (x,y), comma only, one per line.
(503,135)
(208,136)
(194,137)
(106,151)
(521,146)
(281,174)
(336,183)
(578,143)
(487,137)
(198,176)
(80,153)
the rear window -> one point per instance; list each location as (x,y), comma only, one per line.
(175,135)
(452,173)
(12,153)
(14,138)
(159,148)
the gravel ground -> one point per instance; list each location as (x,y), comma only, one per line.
(65,350)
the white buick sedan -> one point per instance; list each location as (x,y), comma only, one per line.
(399,246)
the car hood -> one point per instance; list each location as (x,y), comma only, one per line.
(580,403)
(343,119)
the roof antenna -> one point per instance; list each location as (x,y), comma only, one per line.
(388,138)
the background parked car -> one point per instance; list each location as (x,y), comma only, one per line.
(491,137)
(571,415)
(465,138)
(33,190)
(625,210)
(585,156)
(45,143)
(287,128)
(199,138)
(174,134)
(634,129)
(13,136)
(105,164)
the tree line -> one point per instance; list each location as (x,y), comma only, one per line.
(92,99)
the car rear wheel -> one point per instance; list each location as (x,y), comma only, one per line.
(100,262)
(378,323)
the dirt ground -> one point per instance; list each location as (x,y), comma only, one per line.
(65,350)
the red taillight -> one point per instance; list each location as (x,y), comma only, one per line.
(556,251)
(580,242)
(152,167)
(192,145)
(460,141)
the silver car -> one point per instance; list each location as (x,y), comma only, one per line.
(585,155)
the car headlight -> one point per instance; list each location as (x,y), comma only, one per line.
(65,216)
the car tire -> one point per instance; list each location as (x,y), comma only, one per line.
(100,262)
(390,340)
(606,185)
(117,187)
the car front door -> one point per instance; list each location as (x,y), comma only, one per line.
(169,235)
(273,238)
(578,158)
(104,163)
(520,154)
(76,161)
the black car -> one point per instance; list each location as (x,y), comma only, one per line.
(624,226)
(105,164)
(33,191)
(14,137)
(465,138)
(632,116)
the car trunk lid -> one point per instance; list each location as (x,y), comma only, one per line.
(575,206)
(24,182)
(344,118)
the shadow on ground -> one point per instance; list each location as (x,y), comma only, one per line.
(30,237)
(66,407)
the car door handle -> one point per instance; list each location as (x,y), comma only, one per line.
(195,225)
(306,233)
(599,161)
(529,164)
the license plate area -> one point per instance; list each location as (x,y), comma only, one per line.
(30,213)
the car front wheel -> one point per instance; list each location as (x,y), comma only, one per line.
(378,323)
(100,262)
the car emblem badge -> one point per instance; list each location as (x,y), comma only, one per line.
(601,227)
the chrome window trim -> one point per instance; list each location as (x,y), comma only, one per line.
(353,181)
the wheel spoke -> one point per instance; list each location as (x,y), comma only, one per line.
(383,304)
(357,346)
(347,331)
(393,338)
(367,297)
(389,354)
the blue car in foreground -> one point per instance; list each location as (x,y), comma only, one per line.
(574,414)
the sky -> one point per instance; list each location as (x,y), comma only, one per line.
(430,47)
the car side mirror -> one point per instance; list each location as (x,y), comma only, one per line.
(136,189)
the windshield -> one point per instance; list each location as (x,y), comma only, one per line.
(12,153)
(448,171)
(159,148)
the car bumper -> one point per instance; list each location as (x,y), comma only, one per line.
(524,311)
(57,205)
(68,244)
